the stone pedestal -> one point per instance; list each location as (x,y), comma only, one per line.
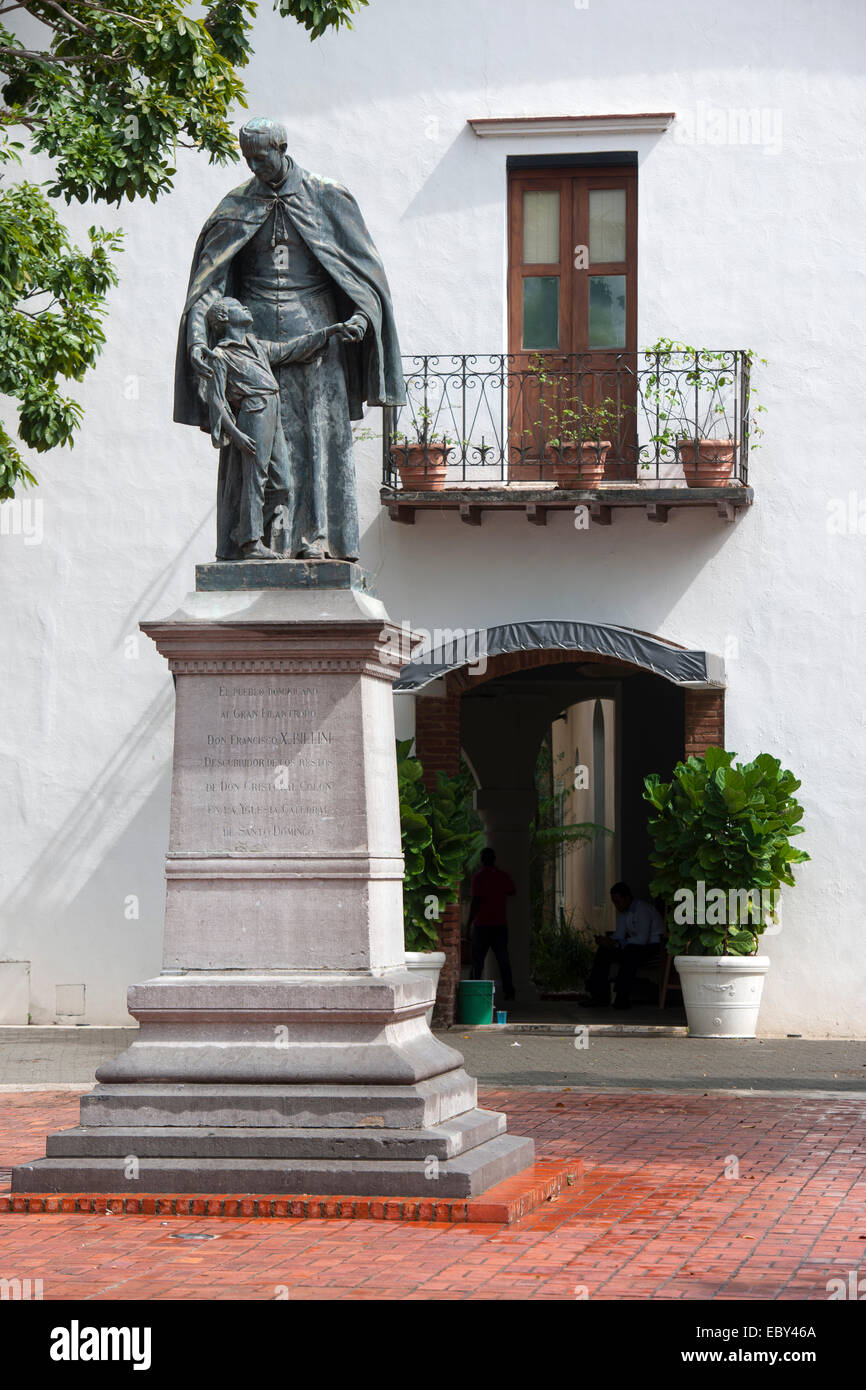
(284,1046)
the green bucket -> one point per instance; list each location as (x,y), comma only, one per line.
(476,1001)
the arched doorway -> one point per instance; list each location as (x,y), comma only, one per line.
(635,703)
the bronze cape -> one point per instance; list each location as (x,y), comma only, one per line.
(329,222)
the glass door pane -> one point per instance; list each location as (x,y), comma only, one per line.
(607,311)
(606,225)
(541,311)
(541,228)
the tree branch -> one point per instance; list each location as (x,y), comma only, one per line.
(12,118)
(32,54)
(76,23)
(79,60)
(114,14)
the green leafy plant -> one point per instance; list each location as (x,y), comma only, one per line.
(52,307)
(566,417)
(115,87)
(441,835)
(423,432)
(562,952)
(676,372)
(722,828)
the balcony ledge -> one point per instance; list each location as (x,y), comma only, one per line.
(537,500)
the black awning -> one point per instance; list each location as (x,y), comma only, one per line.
(455,647)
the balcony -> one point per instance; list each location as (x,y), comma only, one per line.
(656,430)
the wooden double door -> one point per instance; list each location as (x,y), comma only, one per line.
(572,307)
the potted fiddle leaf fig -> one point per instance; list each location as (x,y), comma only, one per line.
(422,461)
(441,834)
(689,389)
(722,835)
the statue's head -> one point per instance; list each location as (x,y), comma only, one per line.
(227,312)
(263,145)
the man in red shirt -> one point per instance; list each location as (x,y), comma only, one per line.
(488,921)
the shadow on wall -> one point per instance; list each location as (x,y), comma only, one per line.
(64,909)
(447,186)
(110,934)
(532,558)
(144,605)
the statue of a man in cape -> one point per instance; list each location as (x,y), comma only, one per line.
(293,248)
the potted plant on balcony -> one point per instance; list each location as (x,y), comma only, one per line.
(441,833)
(577,431)
(673,393)
(722,835)
(581,441)
(423,461)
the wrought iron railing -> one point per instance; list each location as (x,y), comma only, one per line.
(499,419)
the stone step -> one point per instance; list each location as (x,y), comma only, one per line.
(146,1105)
(323,1053)
(466,1175)
(445,1141)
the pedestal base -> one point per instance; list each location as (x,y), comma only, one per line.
(228,575)
(461,1158)
(282,1084)
(285,1047)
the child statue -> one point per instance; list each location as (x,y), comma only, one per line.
(244,408)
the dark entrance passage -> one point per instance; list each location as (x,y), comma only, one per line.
(610,705)
(574,742)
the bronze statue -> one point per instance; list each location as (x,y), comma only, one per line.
(293,249)
(244,406)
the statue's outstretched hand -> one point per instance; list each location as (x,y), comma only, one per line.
(353,330)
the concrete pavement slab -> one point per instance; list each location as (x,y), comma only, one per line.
(70,1056)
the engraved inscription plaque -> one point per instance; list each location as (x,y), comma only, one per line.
(263,768)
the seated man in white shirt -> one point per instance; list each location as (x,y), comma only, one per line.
(639,929)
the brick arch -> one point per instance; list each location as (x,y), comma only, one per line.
(437,716)
(437,746)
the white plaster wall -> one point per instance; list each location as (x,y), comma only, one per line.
(739,245)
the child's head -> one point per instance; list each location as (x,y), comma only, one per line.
(226,311)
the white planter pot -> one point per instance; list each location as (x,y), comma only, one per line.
(722,994)
(427,963)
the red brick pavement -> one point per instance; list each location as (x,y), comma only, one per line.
(653,1217)
(500,1205)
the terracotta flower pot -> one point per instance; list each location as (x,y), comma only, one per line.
(422,467)
(580,465)
(706,462)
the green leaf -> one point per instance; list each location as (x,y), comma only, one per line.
(729,825)
(145,79)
